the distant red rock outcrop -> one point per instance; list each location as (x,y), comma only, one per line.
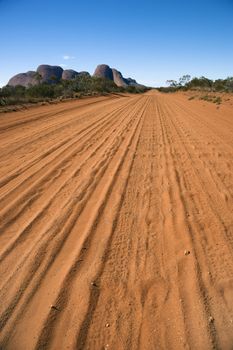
(104,71)
(24,79)
(54,74)
(50,74)
(69,74)
(118,78)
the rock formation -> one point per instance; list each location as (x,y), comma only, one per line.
(131,82)
(118,78)
(84,74)
(54,74)
(69,74)
(24,79)
(50,74)
(103,71)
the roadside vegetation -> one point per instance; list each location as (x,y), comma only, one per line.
(199,84)
(81,86)
(202,88)
(210,98)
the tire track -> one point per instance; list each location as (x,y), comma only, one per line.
(116,226)
(55,147)
(44,201)
(74,214)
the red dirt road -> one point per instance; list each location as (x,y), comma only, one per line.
(116,221)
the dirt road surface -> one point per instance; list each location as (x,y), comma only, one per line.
(116,222)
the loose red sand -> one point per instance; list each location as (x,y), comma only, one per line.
(116,221)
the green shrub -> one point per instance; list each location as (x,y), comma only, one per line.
(217,100)
(200,84)
(41,90)
(76,88)
(206,98)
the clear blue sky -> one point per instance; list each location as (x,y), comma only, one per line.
(151,41)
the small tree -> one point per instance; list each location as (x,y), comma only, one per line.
(172,83)
(229,83)
(38,77)
(184,80)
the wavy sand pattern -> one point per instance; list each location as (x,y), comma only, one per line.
(116,221)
